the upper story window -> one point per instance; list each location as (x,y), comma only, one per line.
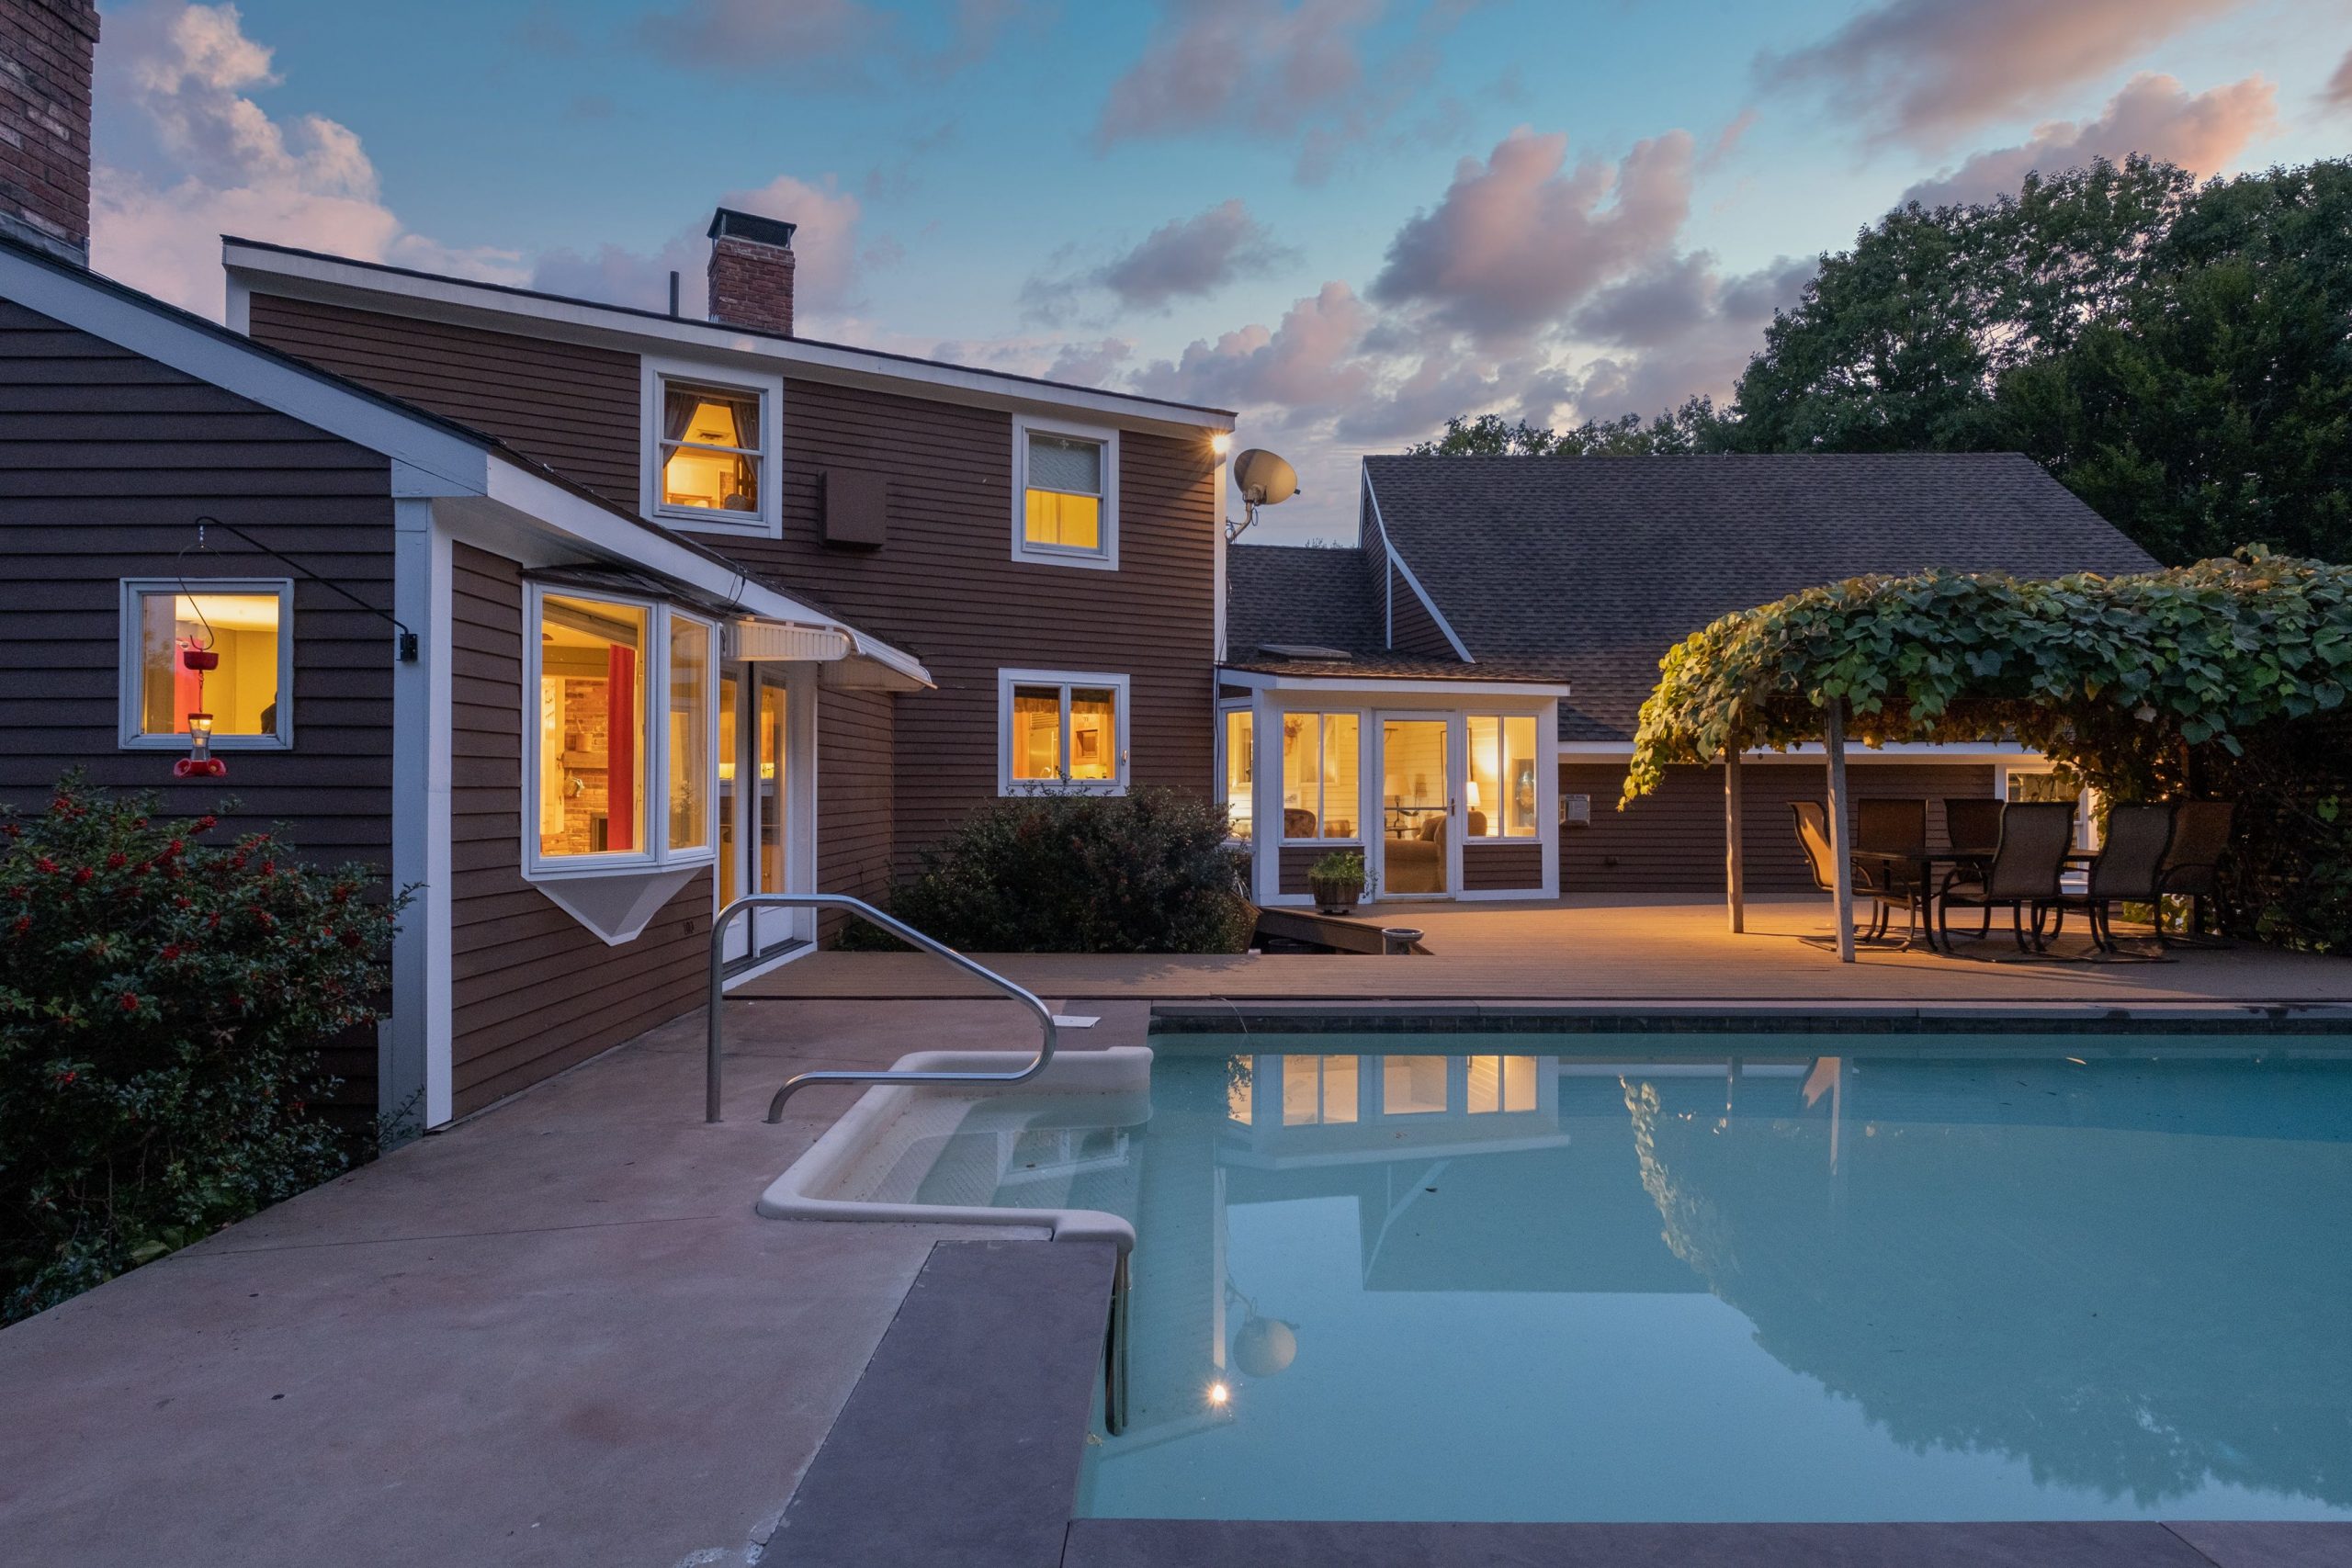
(1065,494)
(709,455)
(611,789)
(245,697)
(1061,732)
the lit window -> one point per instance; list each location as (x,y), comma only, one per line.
(1318,1091)
(1066,494)
(1063,732)
(1501,802)
(592,728)
(1413,1086)
(711,448)
(689,754)
(1501,1083)
(1319,756)
(243,627)
(1238,806)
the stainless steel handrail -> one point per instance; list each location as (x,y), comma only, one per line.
(905,933)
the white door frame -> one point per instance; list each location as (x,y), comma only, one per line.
(1456,761)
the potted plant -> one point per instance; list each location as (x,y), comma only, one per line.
(1337,880)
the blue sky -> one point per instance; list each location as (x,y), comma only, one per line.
(1344,217)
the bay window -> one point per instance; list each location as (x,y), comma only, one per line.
(1501,800)
(1065,494)
(245,697)
(1319,772)
(611,788)
(1061,732)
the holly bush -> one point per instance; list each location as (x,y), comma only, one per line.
(2225,679)
(1147,872)
(161,1003)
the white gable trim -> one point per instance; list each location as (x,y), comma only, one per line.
(1397,560)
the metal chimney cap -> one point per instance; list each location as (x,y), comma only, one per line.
(726,221)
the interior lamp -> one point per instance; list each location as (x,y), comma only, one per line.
(199,763)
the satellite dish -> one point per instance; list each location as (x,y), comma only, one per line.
(1265,480)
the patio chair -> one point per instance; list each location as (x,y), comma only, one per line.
(2192,866)
(2129,867)
(2022,876)
(1871,879)
(1972,822)
(1897,827)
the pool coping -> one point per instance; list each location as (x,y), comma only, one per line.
(1749,1018)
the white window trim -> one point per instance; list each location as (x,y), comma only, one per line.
(657,856)
(1494,815)
(652,372)
(128,669)
(1103,560)
(1222,791)
(1364,730)
(1122,726)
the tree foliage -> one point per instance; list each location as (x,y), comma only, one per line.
(160,1003)
(1693,427)
(2228,675)
(2176,354)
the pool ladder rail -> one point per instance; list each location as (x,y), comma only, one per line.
(1114,1350)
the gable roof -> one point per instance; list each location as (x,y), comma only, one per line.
(447,457)
(1594,567)
(289,271)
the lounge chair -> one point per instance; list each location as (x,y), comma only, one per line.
(2129,867)
(2022,876)
(1870,878)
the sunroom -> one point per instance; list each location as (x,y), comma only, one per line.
(1445,782)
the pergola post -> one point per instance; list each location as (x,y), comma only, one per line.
(1841,849)
(1734,848)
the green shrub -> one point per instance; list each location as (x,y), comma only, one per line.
(1339,865)
(1148,871)
(160,1003)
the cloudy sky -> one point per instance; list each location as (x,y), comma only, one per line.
(1347,219)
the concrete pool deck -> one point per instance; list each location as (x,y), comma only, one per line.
(556,1334)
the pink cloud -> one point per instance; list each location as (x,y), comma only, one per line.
(1214,62)
(2337,94)
(2153,114)
(1517,240)
(307,182)
(1303,366)
(1923,71)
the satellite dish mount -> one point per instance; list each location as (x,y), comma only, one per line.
(1264,479)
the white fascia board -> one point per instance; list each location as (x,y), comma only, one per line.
(513,485)
(248,372)
(1373,685)
(1397,560)
(455,299)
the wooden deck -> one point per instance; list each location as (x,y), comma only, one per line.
(1660,953)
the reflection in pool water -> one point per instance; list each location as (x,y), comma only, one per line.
(1936,1281)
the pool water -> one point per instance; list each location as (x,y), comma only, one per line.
(1928,1278)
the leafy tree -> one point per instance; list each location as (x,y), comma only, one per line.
(1693,427)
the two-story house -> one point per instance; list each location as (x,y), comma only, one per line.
(578,620)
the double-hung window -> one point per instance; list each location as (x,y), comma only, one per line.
(244,700)
(709,449)
(1319,774)
(1501,802)
(620,759)
(1065,494)
(1060,732)
(1237,771)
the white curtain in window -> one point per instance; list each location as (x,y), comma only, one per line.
(1056,463)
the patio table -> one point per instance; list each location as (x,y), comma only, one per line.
(1923,868)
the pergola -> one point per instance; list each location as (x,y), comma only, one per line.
(2119,680)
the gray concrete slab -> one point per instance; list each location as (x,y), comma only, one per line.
(2268,1543)
(1191,1543)
(960,1446)
(555,1335)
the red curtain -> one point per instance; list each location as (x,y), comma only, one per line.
(620,789)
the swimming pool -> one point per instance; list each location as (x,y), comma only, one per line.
(1598,1278)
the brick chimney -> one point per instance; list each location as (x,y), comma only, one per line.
(46,50)
(750,271)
